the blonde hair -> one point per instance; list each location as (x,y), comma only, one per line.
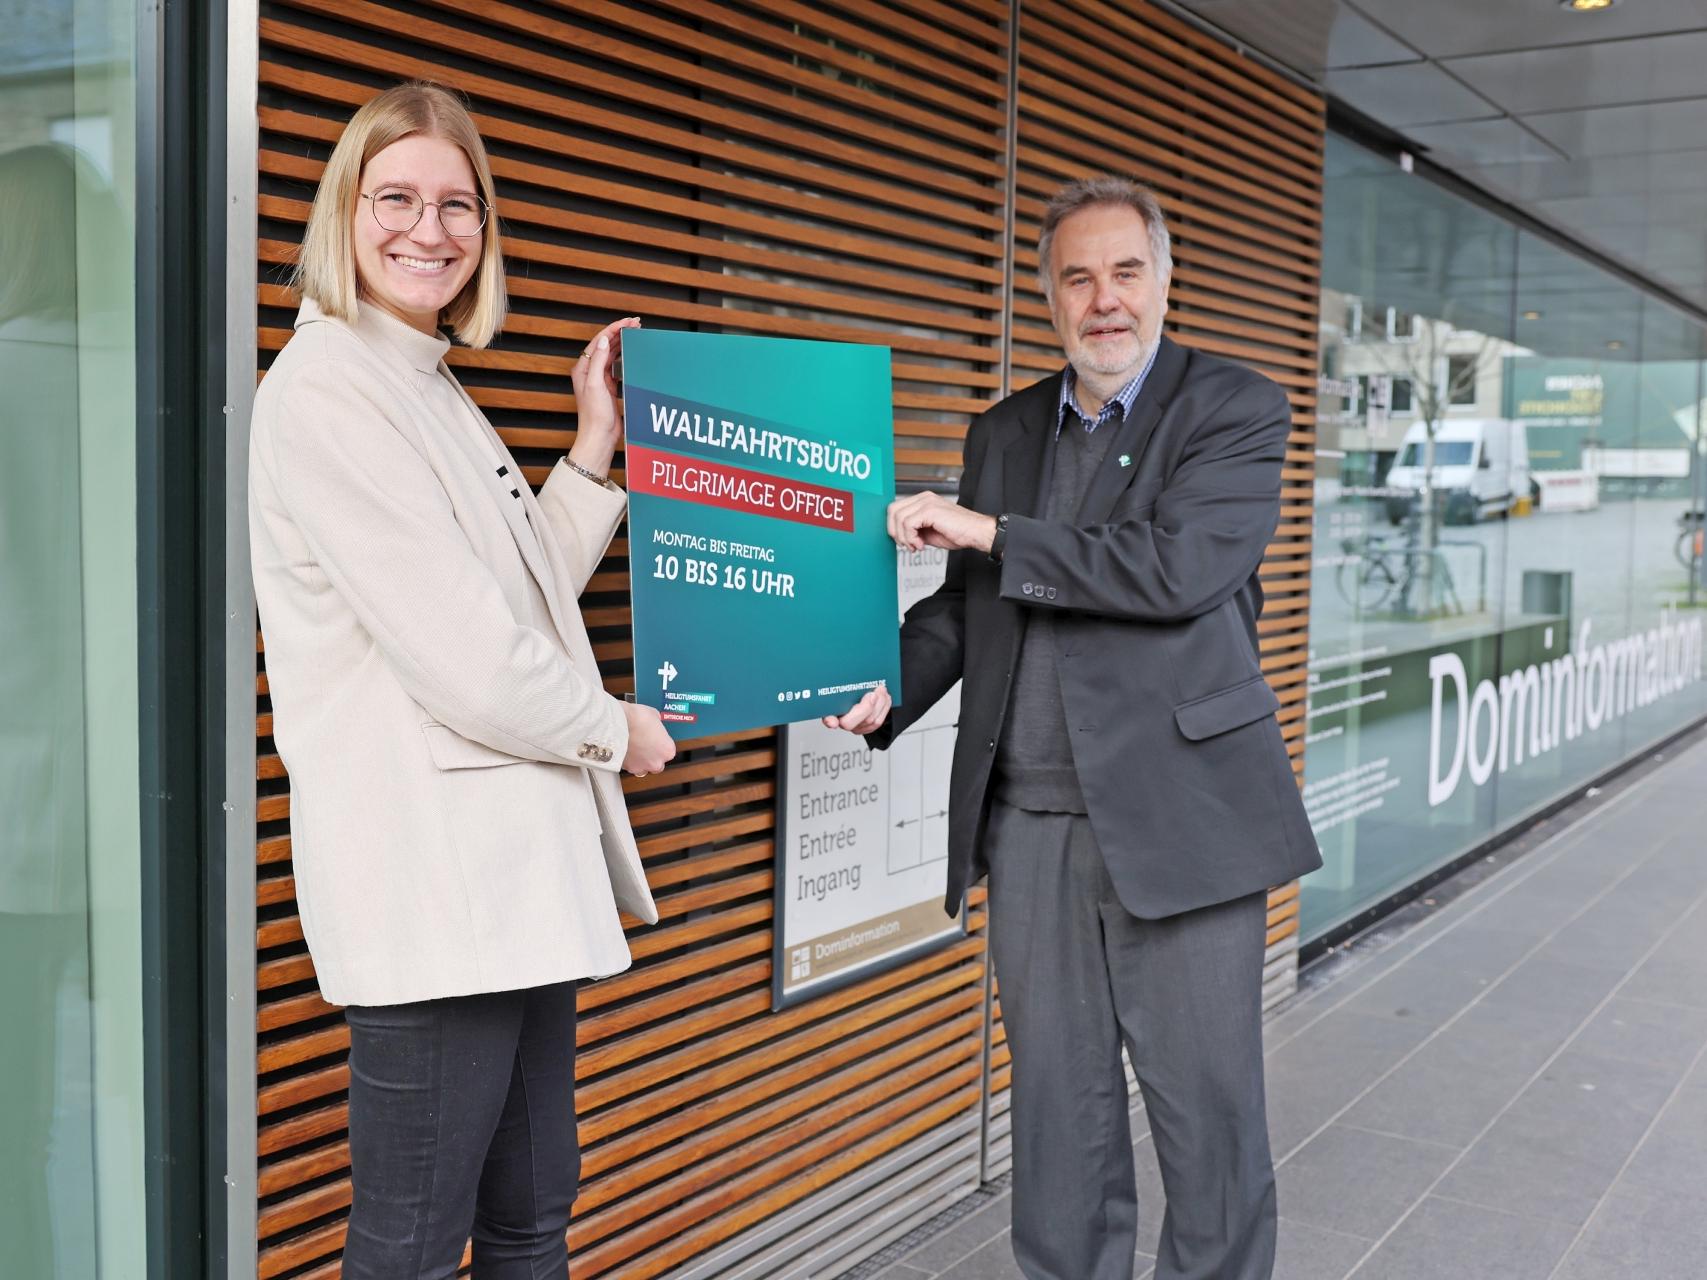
(326,266)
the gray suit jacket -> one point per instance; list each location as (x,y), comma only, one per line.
(1154,585)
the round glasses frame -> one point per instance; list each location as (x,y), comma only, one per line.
(421,207)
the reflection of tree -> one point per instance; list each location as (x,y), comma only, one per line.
(1438,275)
(1440,364)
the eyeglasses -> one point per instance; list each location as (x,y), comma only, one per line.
(398,209)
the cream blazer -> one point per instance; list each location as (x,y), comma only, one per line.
(457,820)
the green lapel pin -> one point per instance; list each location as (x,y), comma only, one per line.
(1126,459)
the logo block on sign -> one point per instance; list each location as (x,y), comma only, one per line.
(801,966)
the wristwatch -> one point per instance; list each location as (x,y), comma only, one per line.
(1000,541)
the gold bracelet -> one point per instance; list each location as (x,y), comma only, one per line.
(576,467)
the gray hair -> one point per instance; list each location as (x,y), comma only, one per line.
(1083,193)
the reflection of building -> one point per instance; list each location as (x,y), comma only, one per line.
(1631,425)
(1384,369)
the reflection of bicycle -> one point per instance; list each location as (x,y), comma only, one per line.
(1689,539)
(1377,571)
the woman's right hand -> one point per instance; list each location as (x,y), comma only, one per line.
(650,746)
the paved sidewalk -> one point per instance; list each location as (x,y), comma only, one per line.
(1510,1086)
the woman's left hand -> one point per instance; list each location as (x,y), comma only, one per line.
(598,397)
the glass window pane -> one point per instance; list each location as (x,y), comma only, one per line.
(1659,478)
(1501,600)
(71,1174)
(1574,390)
(1414,472)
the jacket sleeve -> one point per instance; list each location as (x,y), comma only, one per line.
(933,634)
(1203,541)
(381,528)
(583,517)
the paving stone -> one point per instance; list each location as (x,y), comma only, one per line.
(1482,948)
(1315,1077)
(1449,1240)
(1677,972)
(1418,993)
(1556,1151)
(1674,1154)
(1538,907)
(1669,979)
(1618,934)
(1697,1078)
(1578,867)
(1448,1106)
(1303,1252)
(1293,1019)
(995,1261)
(1457,1082)
(1569,988)
(1356,1182)
(1152,1198)
(965,1237)
(1653,1235)
(1640,1031)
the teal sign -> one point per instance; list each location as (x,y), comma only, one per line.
(759,473)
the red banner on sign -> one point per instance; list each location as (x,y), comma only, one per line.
(676,475)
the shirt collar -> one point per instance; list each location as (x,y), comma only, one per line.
(1120,402)
(378,327)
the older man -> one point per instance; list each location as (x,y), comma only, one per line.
(1119,773)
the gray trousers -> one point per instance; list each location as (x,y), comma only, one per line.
(1078,974)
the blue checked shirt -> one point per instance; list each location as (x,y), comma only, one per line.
(1118,407)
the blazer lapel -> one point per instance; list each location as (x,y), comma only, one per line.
(510,490)
(1028,459)
(1133,435)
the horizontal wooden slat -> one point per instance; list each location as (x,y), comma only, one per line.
(582,78)
(746,55)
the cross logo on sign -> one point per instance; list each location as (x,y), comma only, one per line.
(668,671)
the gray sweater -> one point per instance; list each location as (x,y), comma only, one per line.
(1034,760)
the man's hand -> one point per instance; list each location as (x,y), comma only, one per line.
(931,520)
(650,746)
(865,715)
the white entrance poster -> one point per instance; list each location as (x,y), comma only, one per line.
(862,838)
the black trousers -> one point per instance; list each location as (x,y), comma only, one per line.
(462,1122)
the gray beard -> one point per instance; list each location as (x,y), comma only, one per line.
(1104,385)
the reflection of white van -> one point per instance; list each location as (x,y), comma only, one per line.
(1481,469)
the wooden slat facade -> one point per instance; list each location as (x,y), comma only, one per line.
(828,169)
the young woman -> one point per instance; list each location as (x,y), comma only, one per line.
(459,839)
